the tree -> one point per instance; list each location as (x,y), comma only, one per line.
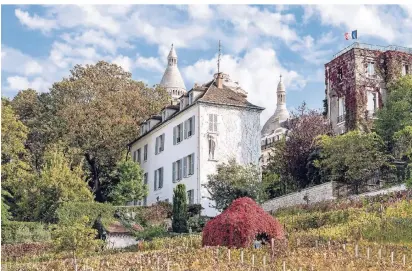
(59,181)
(101,107)
(232,181)
(403,151)
(130,186)
(352,159)
(272,185)
(290,156)
(398,107)
(180,217)
(76,239)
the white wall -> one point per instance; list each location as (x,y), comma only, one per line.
(120,240)
(238,136)
(170,154)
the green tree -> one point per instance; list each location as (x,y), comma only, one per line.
(352,158)
(232,181)
(130,186)
(59,181)
(76,239)
(397,111)
(272,185)
(403,151)
(101,107)
(180,217)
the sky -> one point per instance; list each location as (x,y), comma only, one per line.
(41,44)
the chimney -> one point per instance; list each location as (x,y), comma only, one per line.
(219,80)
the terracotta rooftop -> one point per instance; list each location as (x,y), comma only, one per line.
(117,227)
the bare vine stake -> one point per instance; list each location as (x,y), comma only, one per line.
(228,255)
(367,252)
(167,265)
(356,251)
(316,243)
(157,263)
(298,242)
(264,261)
(284,266)
(241,256)
(404,260)
(253,260)
(392,257)
(344,247)
(380,253)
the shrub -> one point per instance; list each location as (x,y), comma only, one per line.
(71,211)
(14,232)
(194,209)
(151,232)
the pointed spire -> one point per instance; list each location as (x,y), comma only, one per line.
(218,59)
(281,87)
(172,53)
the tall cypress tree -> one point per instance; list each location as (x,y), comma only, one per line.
(179,223)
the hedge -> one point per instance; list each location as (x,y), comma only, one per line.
(70,211)
(14,232)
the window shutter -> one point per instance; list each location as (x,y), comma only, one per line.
(185,167)
(161,178)
(193,125)
(157,145)
(192,164)
(186,124)
(174,135)
(181,169)
(134,156)
(162,142)
(174,171)
(181,131)
(215,123)
(192,196)
(155,180)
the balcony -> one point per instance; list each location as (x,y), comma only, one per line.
(341,118)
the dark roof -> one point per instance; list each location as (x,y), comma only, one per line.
(156,117)
(213,95)
(171,106)
(117,227)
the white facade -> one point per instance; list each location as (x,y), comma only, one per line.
(220,131)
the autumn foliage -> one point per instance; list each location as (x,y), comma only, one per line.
(239,224)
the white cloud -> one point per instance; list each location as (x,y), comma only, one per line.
(149,63)
(257,73)
(20,83)
(32,67)
(14,61)
(34,22)
(125,62)
(201,12)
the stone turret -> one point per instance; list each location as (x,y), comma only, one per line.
(172,80)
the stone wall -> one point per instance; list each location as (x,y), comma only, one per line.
(313,194)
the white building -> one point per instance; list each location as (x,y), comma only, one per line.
(210,124)
(275,127)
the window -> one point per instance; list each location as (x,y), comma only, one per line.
(373,103)
(405,69)
(212,147)
(213,123)
(178,134)
(189,165)
(145,153)
(190,127)
(191,97)
(177,170)
(160,144)
(340,74)
(134,156)
(158,179)
(164,115)
(341,109)
(191,196)
(145,181)
(138,156)
(371,69)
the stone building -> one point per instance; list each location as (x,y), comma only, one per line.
(207,125)
(356,82)
(275,127)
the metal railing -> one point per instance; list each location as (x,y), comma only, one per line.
(374,48)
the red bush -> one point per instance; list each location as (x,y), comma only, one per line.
(239,224)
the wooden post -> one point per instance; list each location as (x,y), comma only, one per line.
(380,253)
(316,243)
(356,251)
(284,266)
(392,257)
(228,255)
(329,244)
(241,256)
(253,260)
(298,242)
(344,247)
(168,266)
(404,260)
(157,263)
(367,252)
(264,261)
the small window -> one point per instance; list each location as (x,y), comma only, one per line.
(191,196)
(164,115)
(213,123)
(178,134)
(160,144)
(158,179)
(191,97)
(189,127)
(371,69)
(145,153)
(138,159)
(340,74)
(177,170)
(189,165)
(405,69)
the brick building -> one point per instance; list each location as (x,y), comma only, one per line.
(356,82)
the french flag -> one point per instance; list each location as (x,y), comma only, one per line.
(354,35)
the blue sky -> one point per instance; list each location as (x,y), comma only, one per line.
(40,44)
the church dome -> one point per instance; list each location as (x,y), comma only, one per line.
(172,80)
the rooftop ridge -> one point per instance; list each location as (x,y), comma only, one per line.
(373,47)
